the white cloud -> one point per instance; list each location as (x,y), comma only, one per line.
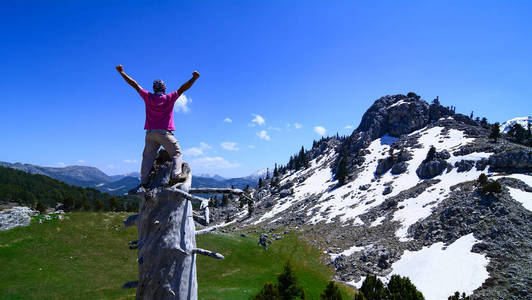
(81,161)
(61,164)
(229,146)
(297,125)
(263,134)
(181,105)
(258,120)
(130,161)
(228,120)
(251,146)
(348,126)
(197,151)
(320,130)
(274,128)
(215,162)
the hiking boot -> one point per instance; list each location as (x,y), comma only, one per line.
(182,177)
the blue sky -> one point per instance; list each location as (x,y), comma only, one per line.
(291,66)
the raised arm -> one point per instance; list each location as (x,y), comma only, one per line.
(128,79)
(188,84)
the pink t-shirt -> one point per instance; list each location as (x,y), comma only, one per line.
(159,110)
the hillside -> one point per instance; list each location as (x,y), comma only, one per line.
(29,189)
(381,201)
(85,256)
(120,184)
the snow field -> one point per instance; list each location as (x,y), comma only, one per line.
(439,271)
(523,197)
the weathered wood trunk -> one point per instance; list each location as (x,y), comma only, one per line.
(167,235)
(166,257)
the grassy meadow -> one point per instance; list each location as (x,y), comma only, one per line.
(85,256)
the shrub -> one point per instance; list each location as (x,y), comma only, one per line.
(491,187)
(482,179)
(412,95)
(430,154)
(332,292)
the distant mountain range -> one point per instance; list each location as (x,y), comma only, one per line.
(523,121)
(85,176)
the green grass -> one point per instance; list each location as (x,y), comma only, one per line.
(86,257)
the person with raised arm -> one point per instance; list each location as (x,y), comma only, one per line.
(159,125)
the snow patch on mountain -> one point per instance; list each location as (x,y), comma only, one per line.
(439,271)
(347,203)
(523,197)
(523,121)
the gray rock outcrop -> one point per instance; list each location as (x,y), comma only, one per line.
(516,160)
(16,216)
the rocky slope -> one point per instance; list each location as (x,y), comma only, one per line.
(406,209)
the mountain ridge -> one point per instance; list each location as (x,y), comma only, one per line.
(411,181)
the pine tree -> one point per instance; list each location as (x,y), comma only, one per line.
(260,182)
(86,206)
(495,132)
(342,172)
(518,133)
(275,171)
(269,292)
(360,296)
(457,296)
(484,122)
(40,207)
(332,292)
(225,200)
(68,203)
(250,207)
(400,288)
(373,288)
(98,204)
(288,285)
(113,203)
(267,173)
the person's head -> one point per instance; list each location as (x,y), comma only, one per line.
(159,86)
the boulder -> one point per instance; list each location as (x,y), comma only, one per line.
(431,168)
(387,190)
(464,165)
(384,165)
(516,160)
(399,168)
(364,187)
(285,193)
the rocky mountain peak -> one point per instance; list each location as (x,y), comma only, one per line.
(411,194)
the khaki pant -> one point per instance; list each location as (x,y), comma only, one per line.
(154,140)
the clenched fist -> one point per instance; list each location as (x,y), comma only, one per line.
(120,68)
(195,75)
